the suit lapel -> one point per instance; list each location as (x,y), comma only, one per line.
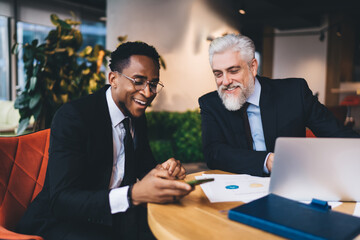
(268,113)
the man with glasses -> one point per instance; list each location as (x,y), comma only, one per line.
(101,172)
(243,118)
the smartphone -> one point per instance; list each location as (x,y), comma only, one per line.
(199,181)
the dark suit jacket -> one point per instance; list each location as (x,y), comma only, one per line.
(76,191)
(287,107)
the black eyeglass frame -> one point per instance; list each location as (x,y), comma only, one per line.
(153,87)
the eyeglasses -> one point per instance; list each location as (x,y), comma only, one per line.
(141,84)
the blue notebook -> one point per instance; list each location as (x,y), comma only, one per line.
(295,220)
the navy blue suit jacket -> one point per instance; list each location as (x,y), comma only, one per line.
(287,107)
(75,196)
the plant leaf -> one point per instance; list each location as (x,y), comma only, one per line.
(63,84)
(54,19)
(72,22)
(96,51)
(60,49)
(36,111)
(64,25)
(22,101)
(29,53)
(88,50)
(34,100)
(64,97)
(33,81)
(34,42)
(41,57)
(122,39)
(35,69)
(86,71)
(70,51)
(67,37)
(23,123)
(15,48)
(52,36)
(78,38)
(92,85)
(56,99)
(92,59)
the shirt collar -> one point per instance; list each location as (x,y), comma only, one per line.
(115,113)
(255,96)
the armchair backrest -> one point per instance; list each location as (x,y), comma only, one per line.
(23,163)
(9,116)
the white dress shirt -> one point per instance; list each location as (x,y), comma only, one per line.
(256,127)
(118,195)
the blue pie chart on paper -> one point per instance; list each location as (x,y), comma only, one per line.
(232,187)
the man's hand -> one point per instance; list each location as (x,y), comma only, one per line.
(174,168)
(270,161)
(159,187)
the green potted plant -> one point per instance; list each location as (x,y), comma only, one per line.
(57,72)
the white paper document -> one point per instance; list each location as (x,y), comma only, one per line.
(231,188)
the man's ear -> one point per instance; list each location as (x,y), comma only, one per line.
(112,78)
(254,66)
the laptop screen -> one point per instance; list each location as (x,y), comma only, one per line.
(322,168)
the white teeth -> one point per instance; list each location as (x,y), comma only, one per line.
(232,88)
(140,102)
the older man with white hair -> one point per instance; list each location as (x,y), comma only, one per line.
(243,118)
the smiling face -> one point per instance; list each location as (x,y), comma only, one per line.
(235,78)
(126,97)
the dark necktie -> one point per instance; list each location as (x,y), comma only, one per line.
(129,176)
(245,118)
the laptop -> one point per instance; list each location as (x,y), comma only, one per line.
(323,168)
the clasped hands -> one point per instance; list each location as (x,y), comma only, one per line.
(160,185)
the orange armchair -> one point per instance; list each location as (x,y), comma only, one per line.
(23,163)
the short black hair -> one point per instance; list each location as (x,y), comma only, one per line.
(120,58)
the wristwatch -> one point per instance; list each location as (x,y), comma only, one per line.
(129,197)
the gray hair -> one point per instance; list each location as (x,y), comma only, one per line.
(238,43)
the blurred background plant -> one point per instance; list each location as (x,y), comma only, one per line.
(57,72)
(175,134)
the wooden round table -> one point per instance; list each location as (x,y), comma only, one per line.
(194,217)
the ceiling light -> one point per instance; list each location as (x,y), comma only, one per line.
(242,11)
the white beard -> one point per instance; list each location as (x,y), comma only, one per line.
(234,102)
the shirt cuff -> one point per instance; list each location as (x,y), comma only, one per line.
(118,199)
(265,168)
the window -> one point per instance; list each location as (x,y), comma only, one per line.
(93,33)
(4,60)
(26,33)
(258,58)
